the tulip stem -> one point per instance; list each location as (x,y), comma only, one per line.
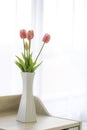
(23,47)
(29,46)
(39,52)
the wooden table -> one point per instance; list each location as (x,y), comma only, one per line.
(44,120)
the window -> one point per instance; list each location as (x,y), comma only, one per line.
(7,43)
(14,15)
(64,67)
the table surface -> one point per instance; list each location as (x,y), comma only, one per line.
(8,114)
(8,122)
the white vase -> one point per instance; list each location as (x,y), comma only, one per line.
(27,111)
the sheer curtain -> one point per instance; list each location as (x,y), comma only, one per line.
(7,44)
(16,15)
(64,70)
(61,80)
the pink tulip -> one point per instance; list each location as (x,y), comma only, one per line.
(46,38)
(23,33)
(30,34)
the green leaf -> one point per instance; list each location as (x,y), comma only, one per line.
(27,62)
(31,61)
(21,62)
(29,69)
(37,66)
(19,65)
(23,56)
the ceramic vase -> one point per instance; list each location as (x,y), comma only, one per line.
(27,111)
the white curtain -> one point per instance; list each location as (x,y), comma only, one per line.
(7,46)
(61,81)
(16,15)
(64,73)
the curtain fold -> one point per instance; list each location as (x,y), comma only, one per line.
(64,74)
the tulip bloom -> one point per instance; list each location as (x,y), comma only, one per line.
(46,38)
(23,33)
(30,34)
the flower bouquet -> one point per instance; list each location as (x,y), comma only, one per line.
(26,63)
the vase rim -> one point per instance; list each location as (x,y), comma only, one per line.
(28,72)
